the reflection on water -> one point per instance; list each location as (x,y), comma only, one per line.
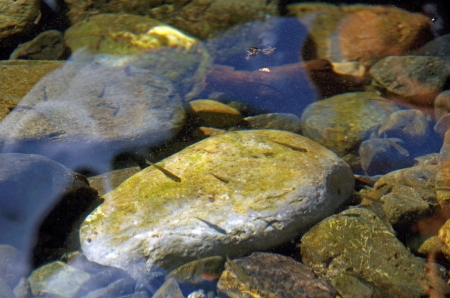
(220,148)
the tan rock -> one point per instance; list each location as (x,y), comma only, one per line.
(214,113)
(17,78)
(360,32)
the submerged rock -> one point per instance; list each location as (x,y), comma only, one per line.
(357,243)
(131,40)
(342,122)
(271,275)
(83,114)
(414,80)
(235,193)
(360,33)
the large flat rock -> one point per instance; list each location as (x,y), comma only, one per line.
(239,192)
(83,114)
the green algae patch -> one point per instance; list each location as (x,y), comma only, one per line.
(234,189)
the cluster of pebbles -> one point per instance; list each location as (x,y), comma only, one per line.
(228,151)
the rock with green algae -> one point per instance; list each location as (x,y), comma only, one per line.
(342,122)
(131,40)
(239,192)
(358,243)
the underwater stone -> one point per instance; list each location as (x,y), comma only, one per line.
(413,80)
(270,275)
(239,192)
(83,114)
(342,122)
(356,242)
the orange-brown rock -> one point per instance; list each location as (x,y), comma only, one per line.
(360,32)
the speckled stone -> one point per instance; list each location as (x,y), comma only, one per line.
(270,275)
(342,122)
(239,192)
(356,242)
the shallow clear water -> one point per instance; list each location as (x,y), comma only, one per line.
(144,136)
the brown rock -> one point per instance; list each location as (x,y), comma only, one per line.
(442,104)
(443,174)
(214,113)
(17,18)
(444,238)
(413,80)
(270,275)
(48,45)
(359,32)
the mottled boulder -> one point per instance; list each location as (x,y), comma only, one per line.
(48,45)
(229,194)
(17,78)
(131,40)
(443,174)
(270,275)
(360,32)
(357,243)
(83,114)
(17,18)
(199,18)
(342,122)
(413,80)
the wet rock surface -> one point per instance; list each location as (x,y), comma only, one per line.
(198,18)
(17,18)
(219,197)
(48,45)
(270,275)
(405,196)
(296,183)
(342,122)
(87,113)
(357,243)
(360,32)
(17,78)
(40,197)
(414,80)
(130,40)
